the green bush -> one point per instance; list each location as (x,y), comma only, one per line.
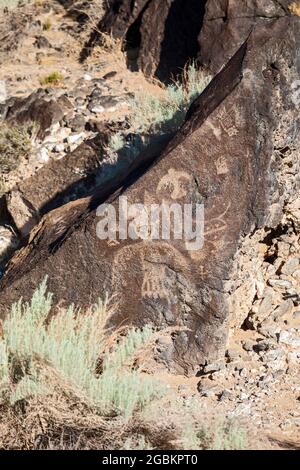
(71,344)
(152,115)
(15,143)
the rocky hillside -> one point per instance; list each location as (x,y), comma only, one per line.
(174,102)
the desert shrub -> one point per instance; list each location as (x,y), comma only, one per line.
(167,112)
(222,435)
(54,78)
(71,344)
(15,143)
(153,115)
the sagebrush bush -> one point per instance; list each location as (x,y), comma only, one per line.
(223,435)
(153,115)
(68,383)
(15,143)
(71,344)
(167,112)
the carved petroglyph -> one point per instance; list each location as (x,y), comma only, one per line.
(230,120)
(174,180)
(221,166)
(157,283)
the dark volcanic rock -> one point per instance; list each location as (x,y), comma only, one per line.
(227,25)
(53,185)
(42,42)
(225,156)
(161,37)
(35,108)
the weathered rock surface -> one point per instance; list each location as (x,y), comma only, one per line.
(161,37)
(229,155)
(35,108)
(53,185)
(227,25)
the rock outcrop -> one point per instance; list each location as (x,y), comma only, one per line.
(162,37)
(238,154)
(227,25)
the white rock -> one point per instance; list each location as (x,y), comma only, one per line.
(280,283)
(42,155)
(287,337)
(55,128)
(59,148)
(87,77)
(72,139)
(97,109)
(3,92)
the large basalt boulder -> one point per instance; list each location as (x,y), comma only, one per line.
(162,37)
(37,108)
(227,25)
(229,155)
(55,184)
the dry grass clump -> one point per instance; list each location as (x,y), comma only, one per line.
(54,79)
(15,144)
(47,25)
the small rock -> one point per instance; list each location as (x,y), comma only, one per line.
(42,155)
(80,101)
(213,367)
(248,345)
(285,308)
(77,124)
(296,315)
(226,395)
(87,77)
(268,329)
(232,354)
(109,75)
(290,266)
(59,148)
(95,107)
(42,42)
(261,346)
(289,338)
(280,283)
(72,139)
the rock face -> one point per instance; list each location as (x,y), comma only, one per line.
(35,108)
(230,155)
(53,185)
(227,25)
(161,37)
